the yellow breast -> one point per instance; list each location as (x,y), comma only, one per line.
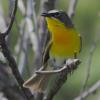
(66,41)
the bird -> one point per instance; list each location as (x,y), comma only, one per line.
(65,42)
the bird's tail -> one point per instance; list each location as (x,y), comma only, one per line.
(37,82)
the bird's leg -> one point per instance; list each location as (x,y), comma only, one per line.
(71,67)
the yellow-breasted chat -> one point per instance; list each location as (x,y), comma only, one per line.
(65,42)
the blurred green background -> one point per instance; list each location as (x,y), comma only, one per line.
(87,23)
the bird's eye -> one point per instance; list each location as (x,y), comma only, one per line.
(57,15)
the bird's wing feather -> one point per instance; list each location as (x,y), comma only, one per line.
(80,43)
(46,53)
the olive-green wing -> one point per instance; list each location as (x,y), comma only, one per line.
(46,54)
(80,43)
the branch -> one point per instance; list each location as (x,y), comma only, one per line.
(71,65)
(10,59)
(69,62)
(12,19)
(13,66)
(72,7)
(32,17)
(21,7)
(89,62)
(2,18)
(90,57)
(89,91)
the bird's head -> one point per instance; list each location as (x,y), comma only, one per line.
(58,15)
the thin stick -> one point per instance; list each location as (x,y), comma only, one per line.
(89,61)
(12,19)
(72,7)
(93,47)
(14,67)
(71,63)
(51,71)
(89,91)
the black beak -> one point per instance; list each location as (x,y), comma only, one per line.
(45,14)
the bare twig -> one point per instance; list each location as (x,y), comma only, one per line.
(26,36)
(51,71)
(10,58)
(89,91)
(36,43)
(12,19)
(72,7)
(2,19)
(68,62)
(90,57)
(21,47)
(13,66)
(21,7)
(92,50)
